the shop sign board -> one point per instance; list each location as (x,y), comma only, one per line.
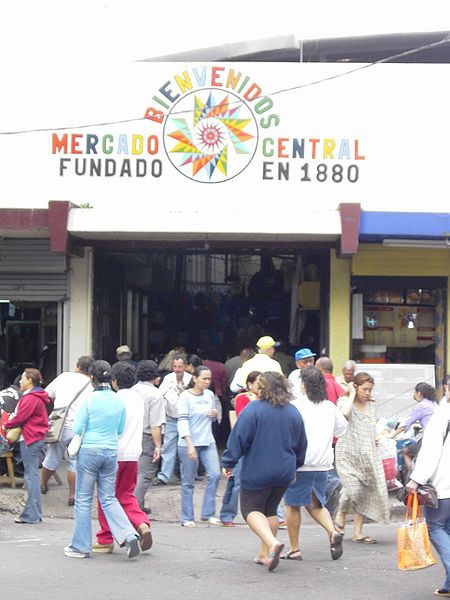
(238,138)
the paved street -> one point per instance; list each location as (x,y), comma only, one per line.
(202,563)
(196,564)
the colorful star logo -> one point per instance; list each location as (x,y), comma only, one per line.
(216,141)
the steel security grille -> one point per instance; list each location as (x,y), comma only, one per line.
(29,271)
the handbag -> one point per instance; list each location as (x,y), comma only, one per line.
(75,443)
(13,434)
(57,419)
(413,543)
(426,495)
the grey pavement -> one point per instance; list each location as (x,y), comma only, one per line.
(202,563)
(196,563)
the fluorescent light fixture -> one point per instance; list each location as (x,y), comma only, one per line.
(408,243)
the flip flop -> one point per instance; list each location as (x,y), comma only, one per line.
(365,539)
(261,561)
(292,555)
(339,528)
(274,557)
(336,548)
(442,592)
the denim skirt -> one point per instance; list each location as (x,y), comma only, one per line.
(299,493)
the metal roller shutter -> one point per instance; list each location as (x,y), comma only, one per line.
(29,271)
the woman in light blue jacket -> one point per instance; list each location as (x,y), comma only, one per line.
(102,418)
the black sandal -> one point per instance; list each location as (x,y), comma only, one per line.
(336,548)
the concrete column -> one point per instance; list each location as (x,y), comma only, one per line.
(340,315)
(80,307)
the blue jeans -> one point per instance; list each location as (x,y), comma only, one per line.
(210,460)
(169,450)
(31,458)
(438,523)
(98,466)
(230,499)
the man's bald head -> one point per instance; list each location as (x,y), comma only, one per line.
(325,364)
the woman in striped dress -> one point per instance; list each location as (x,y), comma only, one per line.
(358,462)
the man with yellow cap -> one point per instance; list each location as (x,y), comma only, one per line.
(262,361)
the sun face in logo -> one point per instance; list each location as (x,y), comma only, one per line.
(210,136)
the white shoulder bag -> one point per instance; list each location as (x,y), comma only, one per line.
(75,443)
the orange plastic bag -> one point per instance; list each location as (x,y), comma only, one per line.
(414,548)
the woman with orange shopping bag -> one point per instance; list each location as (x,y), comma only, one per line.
(432,466)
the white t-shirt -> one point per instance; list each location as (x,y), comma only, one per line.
(323,421)
(433,460)
(63,390)
(129,448)
(260,362)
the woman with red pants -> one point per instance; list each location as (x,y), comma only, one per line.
(128,452)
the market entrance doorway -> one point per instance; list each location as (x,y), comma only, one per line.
(198,300)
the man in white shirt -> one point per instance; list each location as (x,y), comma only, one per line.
(446,397)
(432,466)
(171,387)
(304,357)
(128,452)
(262,361)
(69,388)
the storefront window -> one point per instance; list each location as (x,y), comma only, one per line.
(399,324)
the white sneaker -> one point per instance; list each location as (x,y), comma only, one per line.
(72,553)
(213,521)
(188,524)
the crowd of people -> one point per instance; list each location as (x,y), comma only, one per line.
(299,436)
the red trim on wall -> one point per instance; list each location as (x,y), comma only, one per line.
(350,219)
(35,219)
(23,219)
(58,214)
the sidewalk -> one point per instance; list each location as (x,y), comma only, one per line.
(163,500)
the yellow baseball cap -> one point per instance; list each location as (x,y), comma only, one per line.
(266,342)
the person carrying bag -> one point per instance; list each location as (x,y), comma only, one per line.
(432,466)
(58,418)
(68,391)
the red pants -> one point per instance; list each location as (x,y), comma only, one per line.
(125,484)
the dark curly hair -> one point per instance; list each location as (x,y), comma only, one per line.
(426,390)
(274,388)
(147,370)
(124,373)
(314,383)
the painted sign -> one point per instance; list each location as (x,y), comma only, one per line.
(307,136)
(214,120)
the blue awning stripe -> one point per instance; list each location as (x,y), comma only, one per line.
(405,225)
